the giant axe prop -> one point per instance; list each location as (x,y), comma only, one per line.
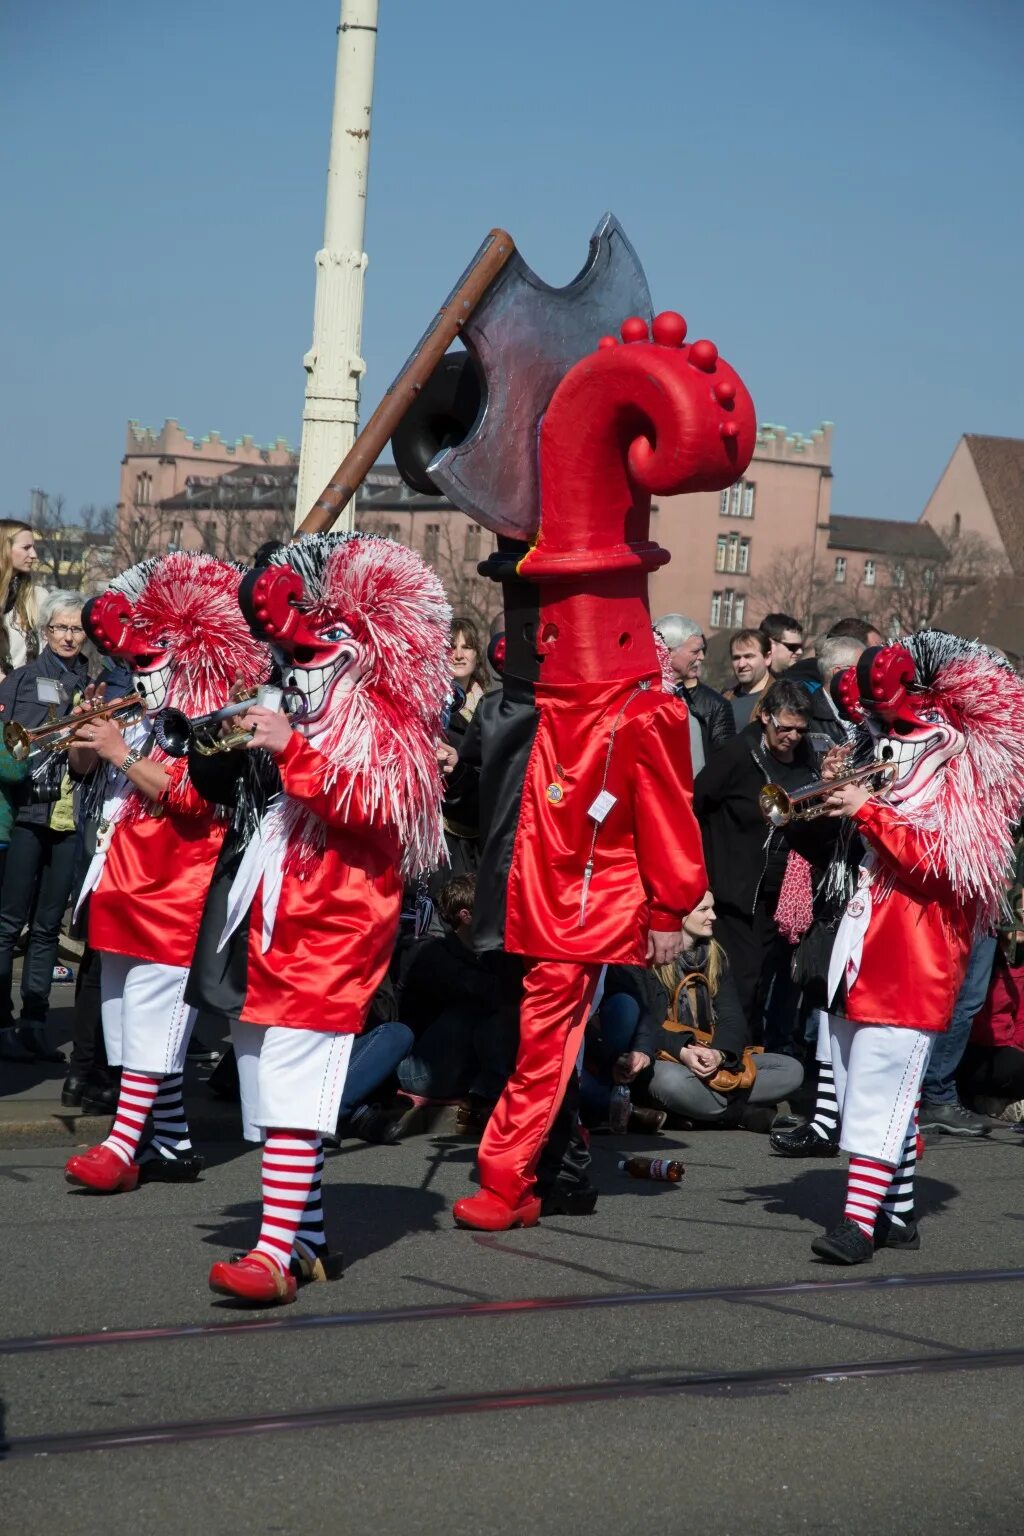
(522,336)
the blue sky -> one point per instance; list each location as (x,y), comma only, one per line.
(832,192)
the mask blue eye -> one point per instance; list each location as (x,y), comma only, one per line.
(336,632)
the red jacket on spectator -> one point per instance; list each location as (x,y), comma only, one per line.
(1001,1020)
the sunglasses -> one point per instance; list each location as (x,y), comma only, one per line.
(793,646)
(789,730)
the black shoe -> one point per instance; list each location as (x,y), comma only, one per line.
(889,1234)
(99,1098)
(952,1119)
(376,1125)
(569,1200)
(197,1051)
(803,1142)
(845,1244)
(72,1091)
(172,1170)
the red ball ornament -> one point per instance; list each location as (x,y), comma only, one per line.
(669,329)
(729,429)
(606,342)
(634,329)
(725,392)
(704,355)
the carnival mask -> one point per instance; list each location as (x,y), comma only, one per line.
(905,728)
(316,651)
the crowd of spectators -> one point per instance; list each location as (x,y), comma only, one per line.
(720,1038)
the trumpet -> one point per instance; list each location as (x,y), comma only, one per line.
(176,733)
(779,807)
(60,734)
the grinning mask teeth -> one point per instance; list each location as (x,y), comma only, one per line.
(339,665)
(919,745)
(153,681)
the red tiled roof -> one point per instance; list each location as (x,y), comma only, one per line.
(1000,465)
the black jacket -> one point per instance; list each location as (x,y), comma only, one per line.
(18,702)
(737,840)
(442,974)
(712,712)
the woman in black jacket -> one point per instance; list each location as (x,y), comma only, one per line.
(708,1002)
(40,862)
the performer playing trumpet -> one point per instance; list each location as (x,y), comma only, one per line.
(946,716)
(175,623)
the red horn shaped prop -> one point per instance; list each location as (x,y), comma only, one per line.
(107,620)
(648,415)
(269,599)
(846,695)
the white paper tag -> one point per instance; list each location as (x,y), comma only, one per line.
(601,806)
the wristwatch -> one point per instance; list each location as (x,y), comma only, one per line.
(131,758)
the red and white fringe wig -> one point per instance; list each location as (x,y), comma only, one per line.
(383,731)
(969,821)
(186,603)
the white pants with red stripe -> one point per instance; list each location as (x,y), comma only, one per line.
(289,1079)
(146,1020)
(878,1070)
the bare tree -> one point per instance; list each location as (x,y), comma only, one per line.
(791,583)
(74,555)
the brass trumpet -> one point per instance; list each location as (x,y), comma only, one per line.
(176,733)
(779,807)
(61,734)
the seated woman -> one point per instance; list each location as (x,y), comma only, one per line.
(990,1078)
(683,1069)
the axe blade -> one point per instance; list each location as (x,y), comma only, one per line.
(524,336)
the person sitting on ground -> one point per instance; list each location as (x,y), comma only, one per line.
(619,1047)
(711,719)
(990,1077)
(686,1078)
(452,1004)
(749,650)
(786,636)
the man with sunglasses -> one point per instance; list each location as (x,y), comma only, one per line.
(786,635)
(746,860)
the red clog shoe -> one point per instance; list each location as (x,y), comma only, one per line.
(101,1169)
(253,1278)
(487,1212)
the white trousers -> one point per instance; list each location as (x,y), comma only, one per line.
(146,1020)
(878,1070)
(290,1079)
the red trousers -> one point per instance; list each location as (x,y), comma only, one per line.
(557,996)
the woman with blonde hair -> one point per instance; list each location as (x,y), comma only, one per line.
(19,596)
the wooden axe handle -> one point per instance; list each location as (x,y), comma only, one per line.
(489,260)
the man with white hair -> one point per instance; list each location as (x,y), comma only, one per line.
(834,654)
(711,719)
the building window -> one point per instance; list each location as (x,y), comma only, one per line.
(869,573)
(840,570)
(739,612)
(899,576)
(956,525)
(748,499)
(723,504)
(472,541)
(928,577)
(716,609)
(143,489)
(174,542)
(734,552)
(728,607)
(210,537)
(736,502)
(431,542)
(743,564)
(721,547)
(391,531)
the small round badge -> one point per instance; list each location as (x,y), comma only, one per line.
(555,793)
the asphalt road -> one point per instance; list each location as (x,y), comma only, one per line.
(402,1399)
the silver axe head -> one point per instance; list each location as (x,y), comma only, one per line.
(524,336)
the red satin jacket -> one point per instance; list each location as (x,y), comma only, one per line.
(150,895)
(648,863)
(334,930)
(918,939)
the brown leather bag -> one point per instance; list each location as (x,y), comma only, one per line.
(726,1079)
